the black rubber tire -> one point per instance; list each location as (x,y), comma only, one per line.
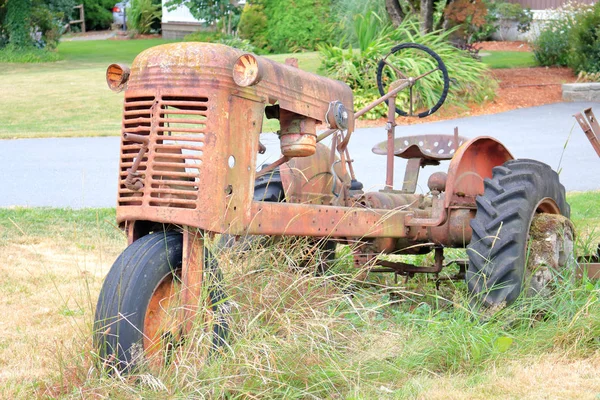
(128,288)
(441,66)
(498,249)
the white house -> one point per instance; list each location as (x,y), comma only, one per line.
(179,22)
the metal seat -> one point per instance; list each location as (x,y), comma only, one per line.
(432,148)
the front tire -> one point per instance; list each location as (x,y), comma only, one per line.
(516,193)
(137,311)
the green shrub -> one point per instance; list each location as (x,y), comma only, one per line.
(294,25)
(18,23)
(342,30)
(253,25)
(238,43)
(553,44)
(585,36)
(358,67)
(216,37)
(203,36)
(98,13)
(142,15)
(10,54)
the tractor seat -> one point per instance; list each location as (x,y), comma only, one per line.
(428,147)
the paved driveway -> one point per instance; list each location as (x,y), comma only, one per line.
(82,172)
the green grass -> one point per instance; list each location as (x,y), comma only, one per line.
(61,224)
(295,335)
(508,59)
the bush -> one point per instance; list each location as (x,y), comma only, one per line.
(253,25)
(358,68)
(142,15)
(203,36)
(343,30)
(18,23)
(473,19)
(238,43)
(216,37)
(552,46)
(297,25)
(98,14)
(585,36)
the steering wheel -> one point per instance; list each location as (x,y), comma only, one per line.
(386,70)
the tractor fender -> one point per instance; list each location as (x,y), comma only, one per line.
(310,179)
(472,163)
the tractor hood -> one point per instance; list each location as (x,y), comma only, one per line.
(189,64)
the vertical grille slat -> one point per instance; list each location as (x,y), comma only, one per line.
(172,167)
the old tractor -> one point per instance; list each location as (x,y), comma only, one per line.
(192,119)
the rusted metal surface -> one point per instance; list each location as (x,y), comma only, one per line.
(589,268)
(309,180)
(191,276)
(437,182)
(189,145)
(161,326)
(390,127)
(298,135)
(182,96)
(471,164)
(432,148)
(402,268)
(590,126)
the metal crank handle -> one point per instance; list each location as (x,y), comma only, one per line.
(133,181)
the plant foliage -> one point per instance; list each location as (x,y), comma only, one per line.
(253,25)
(143,14)
(553,44)
(285,26)
(222,13)
(358,67)
(98,13)
(585,36)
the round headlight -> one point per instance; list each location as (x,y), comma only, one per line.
(117,76)
(246,70)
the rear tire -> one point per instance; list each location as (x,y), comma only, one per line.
(498,251)
(146,276)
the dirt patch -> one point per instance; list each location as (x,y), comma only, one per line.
(517,88)
(503,46)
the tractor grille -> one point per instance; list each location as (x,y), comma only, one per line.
(170,169)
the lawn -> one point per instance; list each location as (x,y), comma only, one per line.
(508,59)
(294,335)
(69,98)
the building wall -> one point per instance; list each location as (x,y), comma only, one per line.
(178,22)
(547,4)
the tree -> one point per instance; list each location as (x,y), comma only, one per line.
(398,10)
(18,23)
(28,23)
(219,12)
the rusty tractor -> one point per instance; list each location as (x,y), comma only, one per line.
(192,119)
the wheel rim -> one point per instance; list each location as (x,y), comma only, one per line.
(547,206)
(161,327)
(549,248)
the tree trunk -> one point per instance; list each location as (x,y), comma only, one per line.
(426,16)
(394,11)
